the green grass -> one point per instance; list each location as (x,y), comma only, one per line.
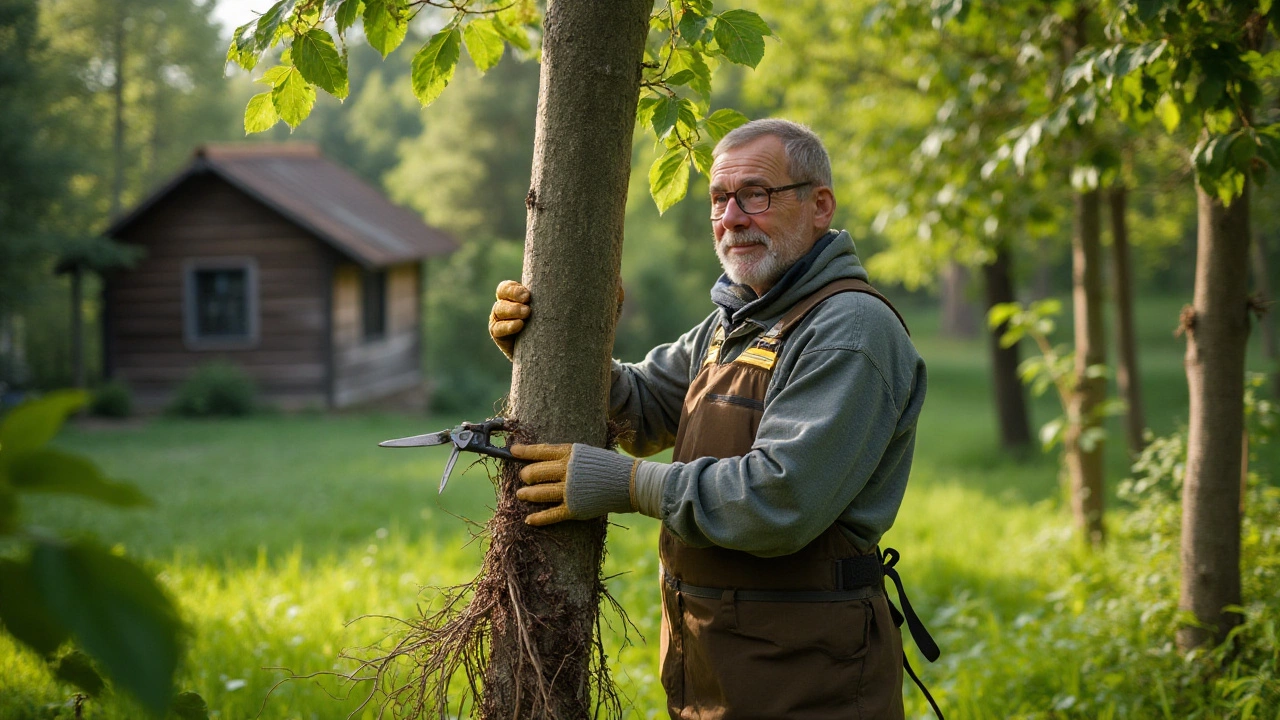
(273,533)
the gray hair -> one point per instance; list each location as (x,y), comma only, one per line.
(807,159)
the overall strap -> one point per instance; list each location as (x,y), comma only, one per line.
(764,351)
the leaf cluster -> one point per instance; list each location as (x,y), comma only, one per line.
(53,590)
(312,58)
(1206,64)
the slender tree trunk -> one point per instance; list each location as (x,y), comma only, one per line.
(1262,286)
(591,64)
(1128,379)
(77,325)
(959,317)
(1217,330)
(1011,401)
(1083,443)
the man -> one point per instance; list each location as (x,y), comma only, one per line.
(792,410)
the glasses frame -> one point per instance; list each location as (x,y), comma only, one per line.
(769,198)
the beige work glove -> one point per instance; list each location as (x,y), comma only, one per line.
(507,317)
(583,481)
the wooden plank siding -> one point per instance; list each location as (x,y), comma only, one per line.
(205,218)
(365,369)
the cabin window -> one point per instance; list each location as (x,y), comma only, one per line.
(221,303)
(373,296)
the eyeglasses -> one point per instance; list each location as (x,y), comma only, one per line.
(751,199)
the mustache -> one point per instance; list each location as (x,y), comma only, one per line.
(745,238)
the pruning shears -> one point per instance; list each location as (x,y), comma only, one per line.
(472,437)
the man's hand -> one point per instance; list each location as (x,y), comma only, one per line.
(507,317)
(583,481)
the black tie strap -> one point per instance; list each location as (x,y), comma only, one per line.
(919,633)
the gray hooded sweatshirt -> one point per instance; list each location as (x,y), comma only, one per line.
(839,425)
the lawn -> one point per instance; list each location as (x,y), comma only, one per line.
(274,533)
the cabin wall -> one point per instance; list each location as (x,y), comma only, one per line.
(367,369)
(207,218)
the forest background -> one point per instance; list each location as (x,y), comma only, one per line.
(913,191)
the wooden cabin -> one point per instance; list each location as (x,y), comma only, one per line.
(275,259)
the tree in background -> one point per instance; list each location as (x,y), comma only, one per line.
(1202,63)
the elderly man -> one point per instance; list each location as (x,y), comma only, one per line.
(792,410)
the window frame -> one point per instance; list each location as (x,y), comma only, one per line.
(190,323)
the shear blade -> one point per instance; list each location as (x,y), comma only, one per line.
(453,459)
(435,438)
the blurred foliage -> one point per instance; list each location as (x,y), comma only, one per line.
(112,399)
(55,590)
(217,388)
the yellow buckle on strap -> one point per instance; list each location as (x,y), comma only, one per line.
(713,351)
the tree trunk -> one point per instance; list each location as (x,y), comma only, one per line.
(77,325)
(1217,329)
(959,318)
(591,65)
(117,93)
(1011,401)
(1262,286)
(1084,443)
(1128,379)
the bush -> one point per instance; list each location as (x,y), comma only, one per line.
(112,399)
(217,388)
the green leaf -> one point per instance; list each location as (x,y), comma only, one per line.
(691,25)
(385,24)
(35,422)
(260,114)
(23,611)
(1169,114)
(484,43)
(689,68)
(116,612)
(51,471)
(1080,70)
(189,706)
(514,35)
(740,35)
(77,669)
(666,113)
(434,64)
(348,12)
(645,109)
(1051,432)
(265,31)
(720,122)
(702,158)
(274,76)
(317,58)
(1001,313)
(669,178)
(243,49)
(293,98)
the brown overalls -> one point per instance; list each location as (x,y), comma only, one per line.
(806,636)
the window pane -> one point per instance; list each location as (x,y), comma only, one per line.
(222,303)
(374,292)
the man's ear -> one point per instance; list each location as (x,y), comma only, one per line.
(824,208)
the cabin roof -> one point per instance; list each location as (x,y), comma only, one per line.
(331,202)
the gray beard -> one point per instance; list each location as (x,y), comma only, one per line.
(780,254)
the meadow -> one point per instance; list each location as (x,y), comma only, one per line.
(276,534)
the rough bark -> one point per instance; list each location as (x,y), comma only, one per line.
(1217,330)
(1084,458)
(573,247)
(959,317)
(1010,398)
(1128,378)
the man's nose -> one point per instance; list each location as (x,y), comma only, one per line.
(734,218)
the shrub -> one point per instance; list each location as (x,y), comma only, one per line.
(217,388)
(112,399)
